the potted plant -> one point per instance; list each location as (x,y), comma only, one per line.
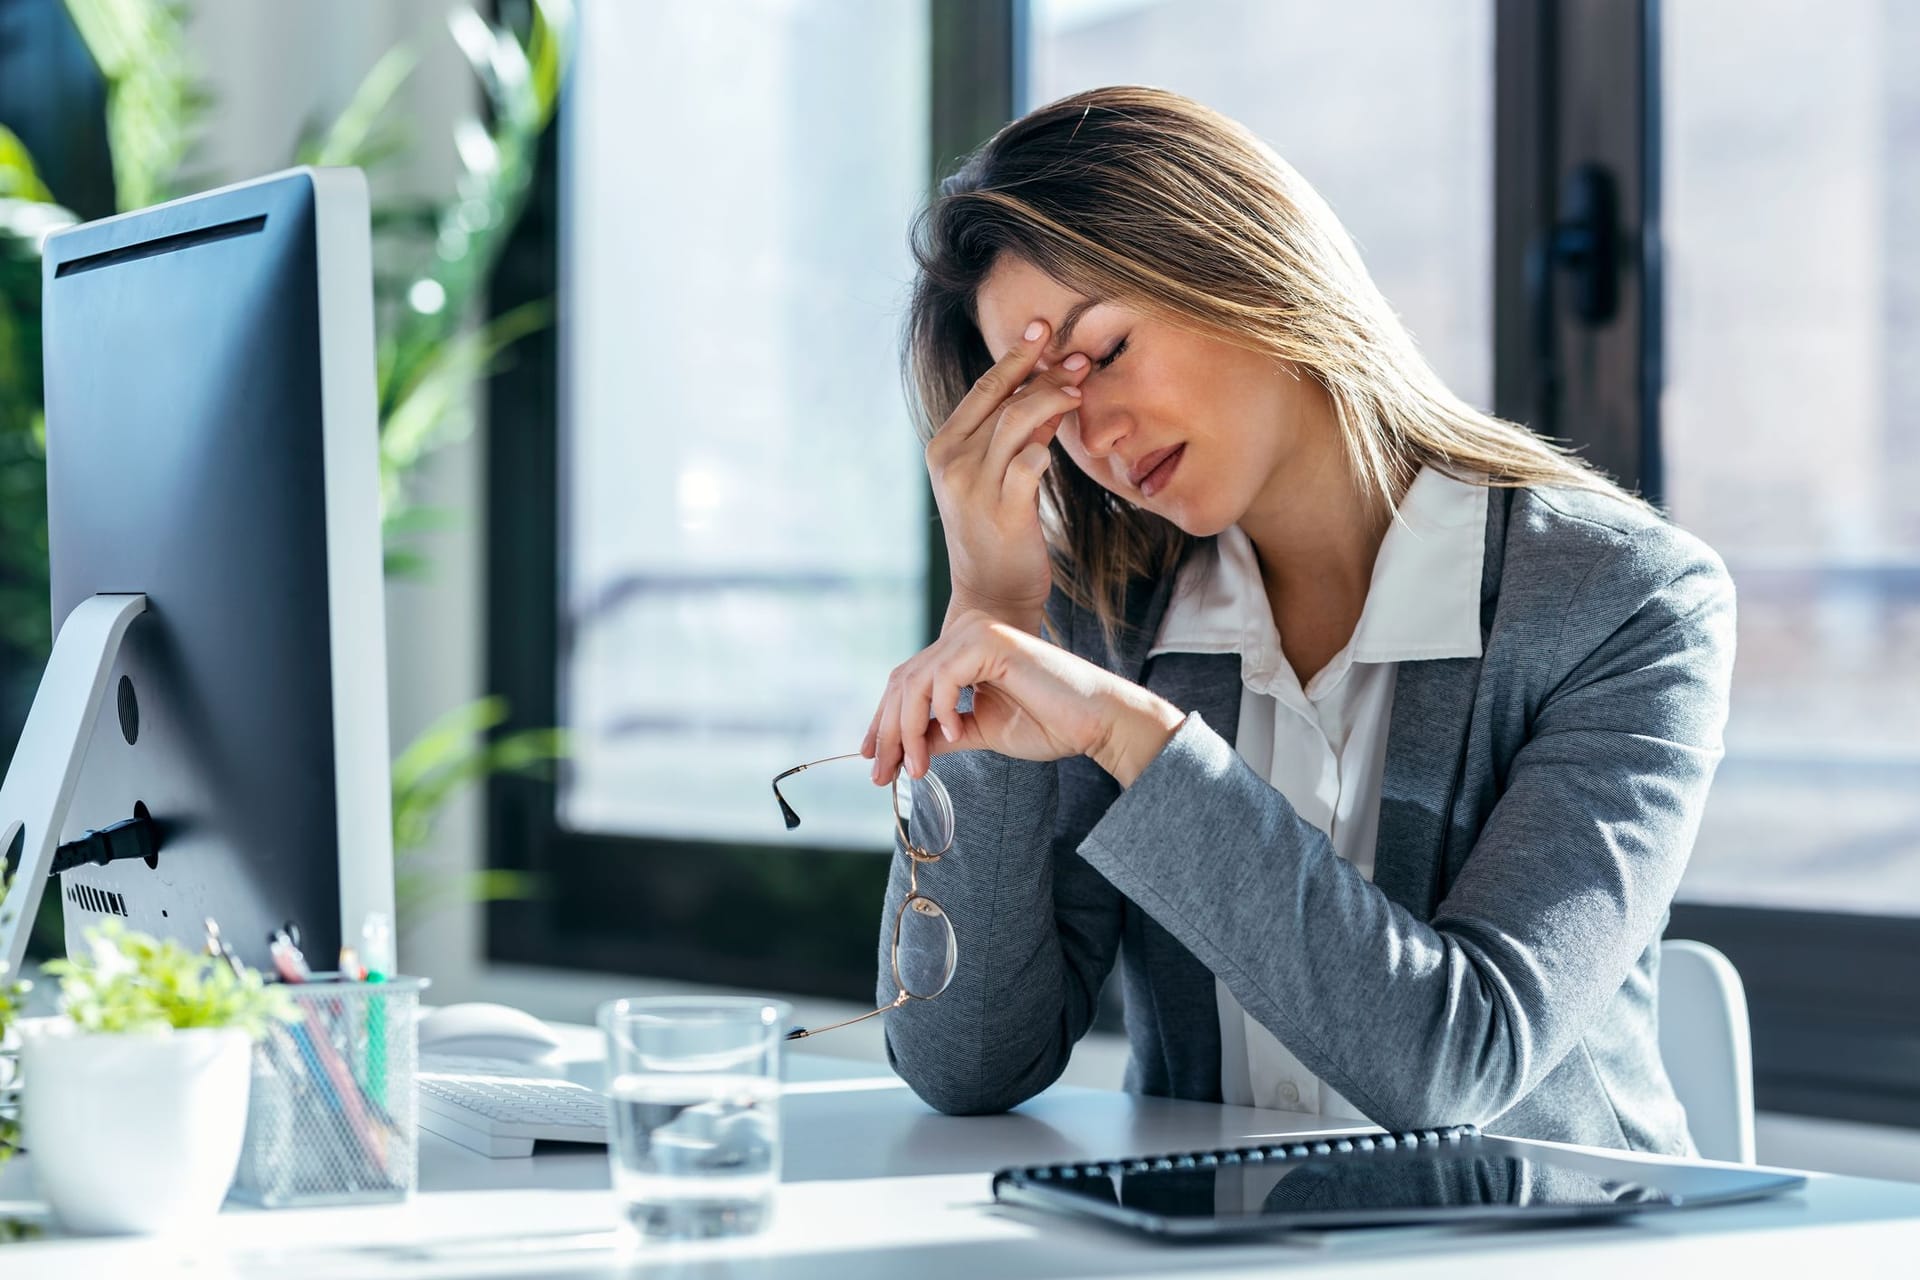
(433,260)
(135,1098)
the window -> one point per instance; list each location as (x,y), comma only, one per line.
(1793,311)
(1793,289)
(709,524)
(710,462)
(1410,173)
(737,462)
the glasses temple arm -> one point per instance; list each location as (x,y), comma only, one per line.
(786,810)
(801,1033)
(802,768)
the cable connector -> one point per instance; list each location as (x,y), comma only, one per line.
(136,837)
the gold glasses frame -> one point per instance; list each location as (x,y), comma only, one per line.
(914,901)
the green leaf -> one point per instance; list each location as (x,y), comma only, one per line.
(355,136)
(445,737)
(155,98)
(548,48)
(453,754)
(500,63)
(497,884)
(398,562)
(416,217)
(19,180)
(412,521)
(125,981)
(422,418)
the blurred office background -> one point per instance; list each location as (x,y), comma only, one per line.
(695,530)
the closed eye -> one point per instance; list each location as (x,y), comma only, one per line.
(1111,356)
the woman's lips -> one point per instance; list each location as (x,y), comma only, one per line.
(1157,479)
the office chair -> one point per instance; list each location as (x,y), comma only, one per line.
(1707,1047)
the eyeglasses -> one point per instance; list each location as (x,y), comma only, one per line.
(924,950)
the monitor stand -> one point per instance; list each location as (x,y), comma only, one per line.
(40,782)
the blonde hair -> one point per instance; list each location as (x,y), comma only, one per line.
(1145,197)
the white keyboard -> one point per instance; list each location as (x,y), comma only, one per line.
(499,1107)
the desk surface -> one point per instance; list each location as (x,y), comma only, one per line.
(877,1184)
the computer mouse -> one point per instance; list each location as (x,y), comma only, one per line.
(486,1031)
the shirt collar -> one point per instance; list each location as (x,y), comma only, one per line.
(1422,602)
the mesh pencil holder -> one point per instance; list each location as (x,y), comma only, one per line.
(330,1119)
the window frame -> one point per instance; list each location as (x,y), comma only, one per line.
(1835,1034)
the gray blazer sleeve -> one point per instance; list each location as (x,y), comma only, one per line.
(1037,930)
(1455,1019)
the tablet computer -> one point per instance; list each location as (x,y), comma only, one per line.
(1454,1175)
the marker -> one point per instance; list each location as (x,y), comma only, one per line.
(376,946)
(287,960)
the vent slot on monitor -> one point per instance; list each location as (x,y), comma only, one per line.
(103,902)
(163,244)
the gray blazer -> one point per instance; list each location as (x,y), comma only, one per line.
(1537,809)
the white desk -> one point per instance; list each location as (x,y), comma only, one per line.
(877,1184)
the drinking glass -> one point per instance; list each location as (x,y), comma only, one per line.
(694,1089)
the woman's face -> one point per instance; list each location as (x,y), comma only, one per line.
(1241,420)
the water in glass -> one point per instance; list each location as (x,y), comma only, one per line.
(694,1091)
(695,1155)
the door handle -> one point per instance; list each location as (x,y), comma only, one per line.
(1583,244)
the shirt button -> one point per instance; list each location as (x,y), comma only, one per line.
(1289,1092)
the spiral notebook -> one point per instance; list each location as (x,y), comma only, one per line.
(1449,1175)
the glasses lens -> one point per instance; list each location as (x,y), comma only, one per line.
(924,948)
(924,811)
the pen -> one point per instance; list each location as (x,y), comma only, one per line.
(217,947)
(336,1086)
(331,1071)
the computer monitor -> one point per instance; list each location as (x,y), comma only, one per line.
(212,449)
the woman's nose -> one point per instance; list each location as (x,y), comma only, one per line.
(1101,428)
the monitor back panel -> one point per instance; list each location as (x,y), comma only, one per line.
(185,462)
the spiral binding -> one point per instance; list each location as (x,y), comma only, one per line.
(1262,1154)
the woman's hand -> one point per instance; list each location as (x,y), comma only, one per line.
(1031,700)
(986,461)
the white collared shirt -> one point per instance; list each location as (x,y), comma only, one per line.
(1324,746)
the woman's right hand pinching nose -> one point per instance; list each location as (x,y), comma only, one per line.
(986,461)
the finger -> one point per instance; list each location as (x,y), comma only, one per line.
(993,387)
(946,709)
(1007,444)
(968,740)
(1034,417)
(967,657)
(885,745)
(914,724)
(1021,488)
(1069,372)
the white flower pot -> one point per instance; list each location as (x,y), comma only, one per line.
(134,1133)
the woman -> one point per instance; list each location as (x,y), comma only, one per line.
(1370,732)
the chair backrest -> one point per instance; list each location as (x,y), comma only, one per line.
(1707,1047)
